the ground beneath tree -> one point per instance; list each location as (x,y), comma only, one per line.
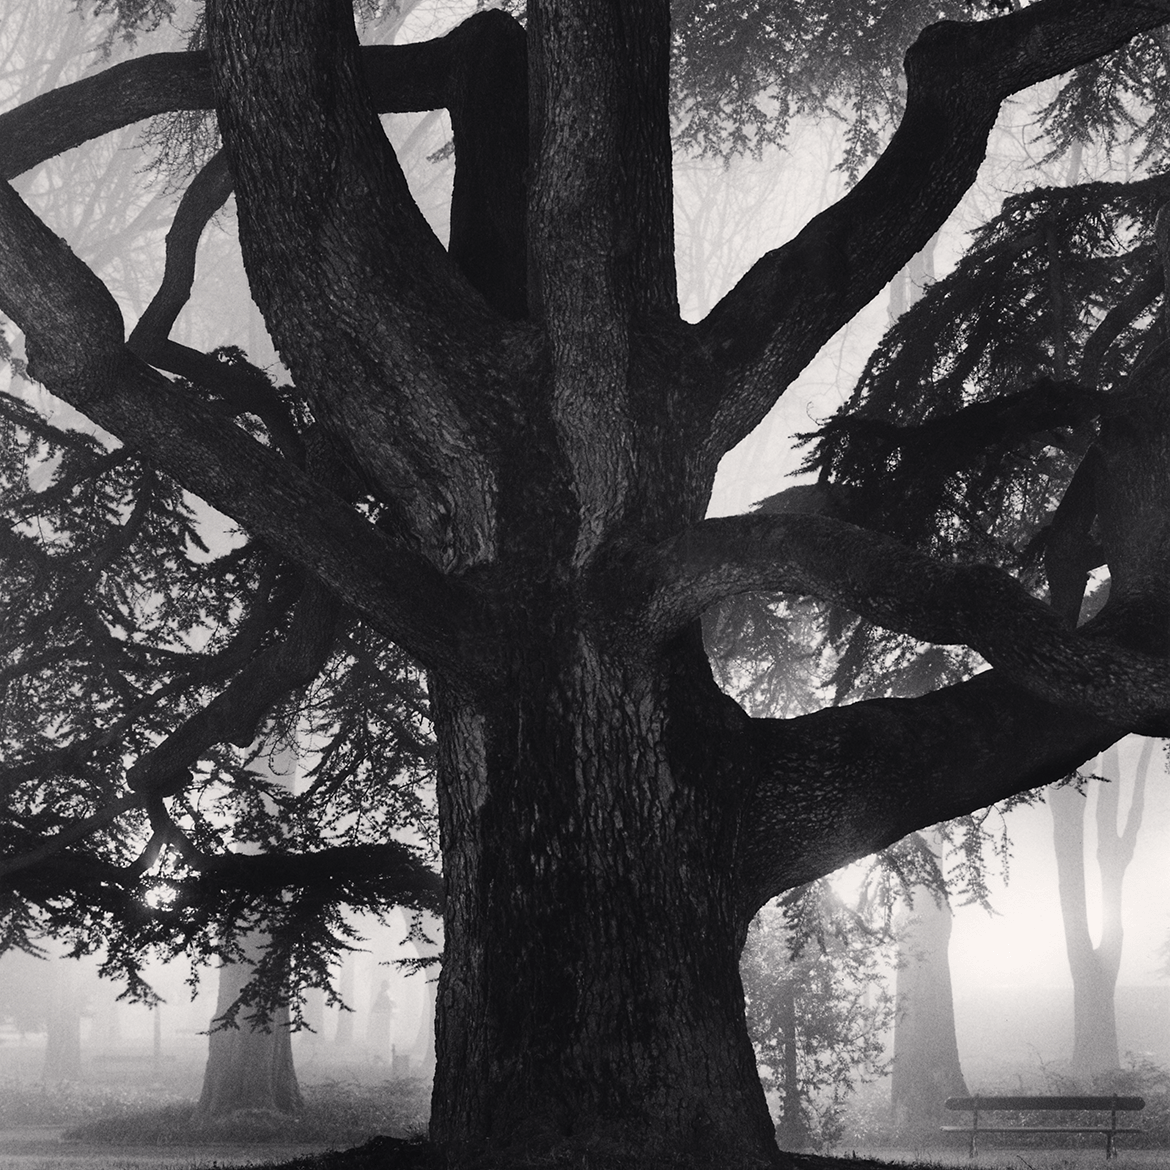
(40,1148)
(384,1153)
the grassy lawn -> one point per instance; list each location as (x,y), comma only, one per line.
(74,1125)
(356,1121)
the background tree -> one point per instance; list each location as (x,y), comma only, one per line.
(249,1066)
(1094,968)
(62,1021)
(496,459)
(250,1062)
(817,1010)
(926,1067)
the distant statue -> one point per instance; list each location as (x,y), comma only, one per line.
(381,1024)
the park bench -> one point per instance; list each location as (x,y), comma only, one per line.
(983,1105)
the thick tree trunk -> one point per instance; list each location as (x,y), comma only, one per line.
(926,1051)
(247,1067)
(539,542)
(590,992)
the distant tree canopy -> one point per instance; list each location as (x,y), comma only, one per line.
(489,469)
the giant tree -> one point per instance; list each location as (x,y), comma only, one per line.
(497,457)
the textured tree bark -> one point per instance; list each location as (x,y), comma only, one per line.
(926,1052)
(590,993)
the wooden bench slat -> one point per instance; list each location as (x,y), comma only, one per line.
(1038,1129)
(970,1104)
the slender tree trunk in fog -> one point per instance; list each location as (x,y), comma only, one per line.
(907,287)
(251,1067)
(926,1052)
(314,1010)
(63,1042)
(343,1037)
(792,1132)
(426,944)
(248,1068)
(427,1040)
(1094,968)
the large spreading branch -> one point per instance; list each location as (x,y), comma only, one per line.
(236,713)
(401,79)
(391,871)
(486,95)
(829,788)
(246,388)
(395,352)
(767,328)
(119,96)
(905,591)
(478,72)
(75,347)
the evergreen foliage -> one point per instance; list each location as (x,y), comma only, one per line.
(980,401)
(746,71)
(815,988)
(972,416)
(128,610)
